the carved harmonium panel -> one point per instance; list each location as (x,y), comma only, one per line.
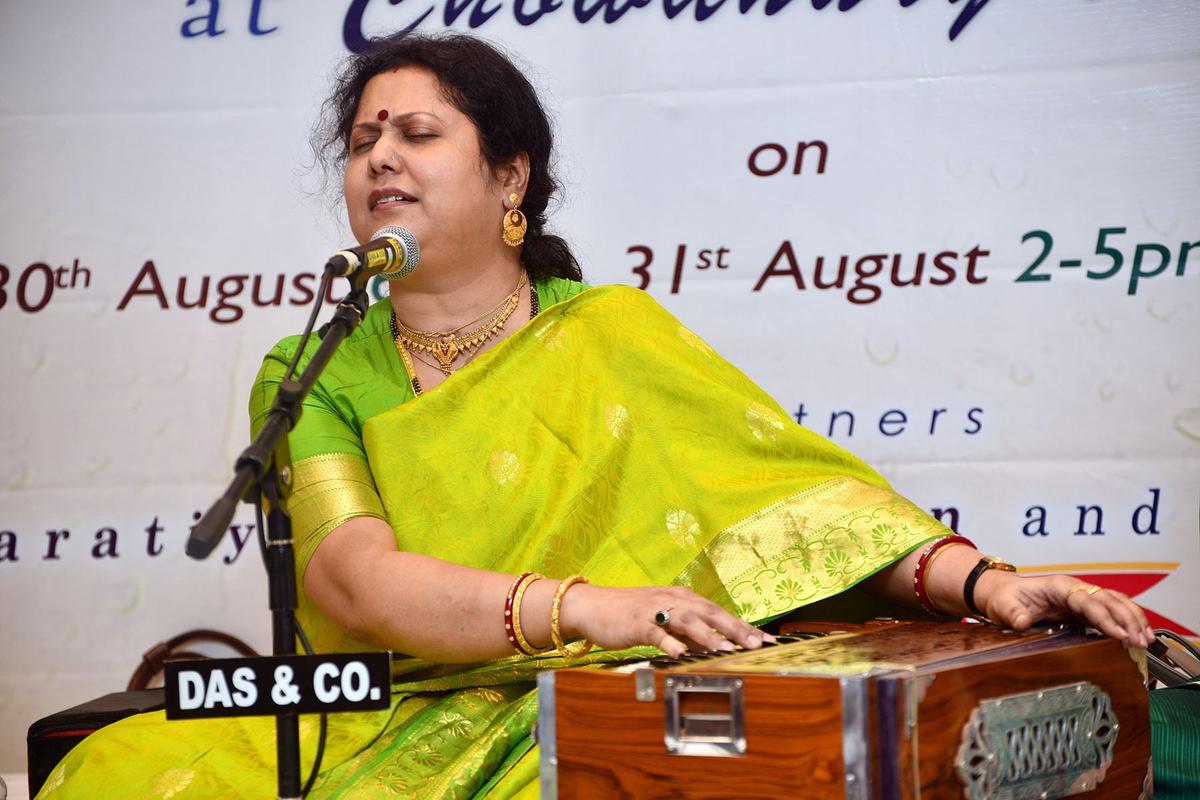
(884,711)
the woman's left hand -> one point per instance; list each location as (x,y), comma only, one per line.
(1019,602)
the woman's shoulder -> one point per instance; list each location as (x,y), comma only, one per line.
(608,298)
(557,290)
(362,359)
(362,378)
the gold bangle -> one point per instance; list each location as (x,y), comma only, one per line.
(929,563)
(934,556)
(555,620)
(522,642)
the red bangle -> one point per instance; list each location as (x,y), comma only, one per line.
(923,564)
(510,629)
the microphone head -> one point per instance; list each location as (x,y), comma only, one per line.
(409,255)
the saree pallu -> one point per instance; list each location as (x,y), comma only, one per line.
(603,438)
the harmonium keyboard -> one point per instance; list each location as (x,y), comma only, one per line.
(883,711)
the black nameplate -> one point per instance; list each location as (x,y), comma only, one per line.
(246,687)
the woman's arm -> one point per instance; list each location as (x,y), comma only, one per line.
(446,612)
(1010,599)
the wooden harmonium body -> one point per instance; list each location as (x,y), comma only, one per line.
(885,711)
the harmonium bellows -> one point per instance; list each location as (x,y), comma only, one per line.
(885,711)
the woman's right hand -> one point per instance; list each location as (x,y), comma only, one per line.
(617,617)
(445,612)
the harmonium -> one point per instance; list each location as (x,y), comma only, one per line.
(883,711)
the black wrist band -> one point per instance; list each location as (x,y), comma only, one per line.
(969,587)
(985,563)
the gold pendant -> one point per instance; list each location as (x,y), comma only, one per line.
(445,351)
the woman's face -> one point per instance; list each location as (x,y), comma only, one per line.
(420,167)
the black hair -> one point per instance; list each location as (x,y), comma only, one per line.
(487,87)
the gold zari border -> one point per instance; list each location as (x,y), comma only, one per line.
(327,490)
(807,547)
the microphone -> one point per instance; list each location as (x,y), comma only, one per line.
(393,252)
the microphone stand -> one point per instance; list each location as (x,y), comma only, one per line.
(264,470)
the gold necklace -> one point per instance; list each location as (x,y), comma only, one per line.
(424,360)
(407,358)
(447,346)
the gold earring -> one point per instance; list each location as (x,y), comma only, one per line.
(515,224)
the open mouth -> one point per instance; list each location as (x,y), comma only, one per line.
(390,197)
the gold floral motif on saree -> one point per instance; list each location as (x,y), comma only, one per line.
(807,547)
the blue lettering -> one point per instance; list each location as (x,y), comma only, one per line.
(968,13)
(528,12)
(611,12)
(479,14)
(1035,523)
(704,10)
(189,29)
(255,28)
(453,10)
(673,8)
(8,546)
(352,32)
(544,7)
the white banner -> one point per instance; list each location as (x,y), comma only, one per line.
(960,238)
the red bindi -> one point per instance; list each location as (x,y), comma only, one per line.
(383,115)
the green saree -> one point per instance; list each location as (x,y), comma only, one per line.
(603,438)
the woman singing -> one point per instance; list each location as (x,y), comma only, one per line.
(504,471)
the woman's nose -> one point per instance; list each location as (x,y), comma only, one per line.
(384,158)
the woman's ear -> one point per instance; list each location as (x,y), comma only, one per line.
(513,175)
